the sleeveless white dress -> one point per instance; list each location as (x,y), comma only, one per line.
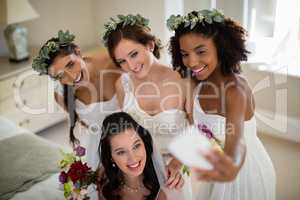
(162,127)
(256,179)
(92,115)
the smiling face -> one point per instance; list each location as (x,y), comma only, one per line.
(199,54)
(129,153)
(68,69)
(134,57)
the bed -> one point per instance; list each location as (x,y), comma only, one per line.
(28,165)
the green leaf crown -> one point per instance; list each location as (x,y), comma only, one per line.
(39,63)
(123,20)
(191,20)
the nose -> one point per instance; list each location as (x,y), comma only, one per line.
(132,65)
(132,158)
(193,61)
(69,75)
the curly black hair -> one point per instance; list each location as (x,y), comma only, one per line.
(228,37)
(115,124)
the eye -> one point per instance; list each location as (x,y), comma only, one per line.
(184,55)
(121,62)
(199,52)
(136,146)
(120,153)
(58,76)
(70,64)
(134,54)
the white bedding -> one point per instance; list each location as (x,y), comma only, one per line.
(44,190)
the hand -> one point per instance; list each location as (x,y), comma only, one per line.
(224,168)
(175,179)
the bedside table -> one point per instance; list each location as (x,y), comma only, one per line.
(26,98)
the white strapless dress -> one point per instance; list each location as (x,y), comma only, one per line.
(162,127)
(256,179)
(92,115)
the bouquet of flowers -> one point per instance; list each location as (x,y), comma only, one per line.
(216,143)
(76,176)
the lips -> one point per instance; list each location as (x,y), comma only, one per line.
(134,166)
(139,69)
(198,71)
(78,78)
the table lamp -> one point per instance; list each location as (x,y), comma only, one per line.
(12,12)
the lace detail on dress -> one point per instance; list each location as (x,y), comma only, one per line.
(126,82)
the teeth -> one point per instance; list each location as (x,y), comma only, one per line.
(135,165)
(198,70)
(78,79)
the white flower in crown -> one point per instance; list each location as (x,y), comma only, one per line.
(190,20)
(123,20)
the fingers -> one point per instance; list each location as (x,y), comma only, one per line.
(180,184)
(175,180)
(171,176)
(224,168)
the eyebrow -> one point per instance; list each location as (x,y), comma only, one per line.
(136,141)
(121,148)
(197,47)
(69,63)
(120,59)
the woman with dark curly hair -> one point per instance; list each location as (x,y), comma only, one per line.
(127,160)
(210,47)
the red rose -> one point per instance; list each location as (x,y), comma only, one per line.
(78,171)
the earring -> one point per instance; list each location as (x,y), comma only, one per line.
(113,164)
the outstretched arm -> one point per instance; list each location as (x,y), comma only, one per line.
(227,165)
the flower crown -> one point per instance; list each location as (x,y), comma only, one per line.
(124,20)
(39,63)
(191,20)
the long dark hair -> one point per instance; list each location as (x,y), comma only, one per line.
(112,125)
(136,33)
(69,93)
(228,37)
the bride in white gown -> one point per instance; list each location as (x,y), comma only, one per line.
(151,93)
(82,80)
(212,47)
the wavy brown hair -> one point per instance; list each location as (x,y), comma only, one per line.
(228,37)
(136,33)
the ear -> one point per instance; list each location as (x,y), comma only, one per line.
(77,51)
(151,45)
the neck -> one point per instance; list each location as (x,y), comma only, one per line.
(216,77)
(133,182)
(152,73)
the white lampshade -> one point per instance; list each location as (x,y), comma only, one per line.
(15,11)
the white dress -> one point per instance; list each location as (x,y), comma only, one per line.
(92,115)
(162,127)
(256,179)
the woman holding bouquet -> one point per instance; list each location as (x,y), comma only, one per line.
(84,87)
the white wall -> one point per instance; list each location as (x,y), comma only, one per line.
(152,10)
(191,5)
(74,15)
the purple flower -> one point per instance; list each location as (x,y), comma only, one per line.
(80,151)
(63,177)
(77,185)
(206,131)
